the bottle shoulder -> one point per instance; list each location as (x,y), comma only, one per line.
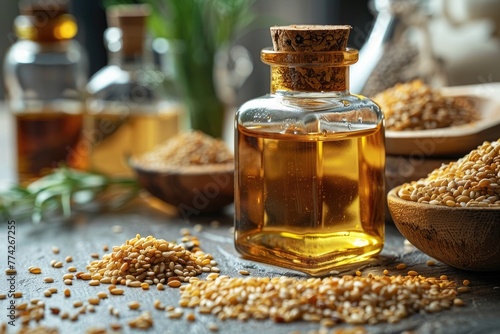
(27,53)
(335,112)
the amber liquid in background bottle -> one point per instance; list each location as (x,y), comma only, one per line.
(116,137)
(45,77)
(46,139)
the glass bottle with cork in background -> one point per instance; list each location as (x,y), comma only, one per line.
(45,73)
(310,158)
(133,105)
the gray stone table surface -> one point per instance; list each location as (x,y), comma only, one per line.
(87,233)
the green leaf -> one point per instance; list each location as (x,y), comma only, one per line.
(62,191)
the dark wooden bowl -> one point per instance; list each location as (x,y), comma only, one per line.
(191,189)
(465,238)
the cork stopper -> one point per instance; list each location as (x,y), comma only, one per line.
(131,20)
(49,9)
(310,39)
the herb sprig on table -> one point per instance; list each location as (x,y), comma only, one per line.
(64,190)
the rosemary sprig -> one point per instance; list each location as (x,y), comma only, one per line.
(63,191)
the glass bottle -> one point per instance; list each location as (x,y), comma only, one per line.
(310,158)
(45,73)
(399,48)
(132,105)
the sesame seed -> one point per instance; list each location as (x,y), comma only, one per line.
(401,266)
(35,270)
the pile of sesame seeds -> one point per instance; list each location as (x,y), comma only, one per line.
(145,261)
(350,299)
(471,181)
(189,148)
(416,106)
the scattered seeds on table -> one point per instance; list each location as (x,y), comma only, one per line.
(10,272)
(401,266)
(72,269)
(94,282)
(431,263)
(77,303)
(94,300)
(35,270)
(330,298)
(68,282)
(244,272)
(115,326)
(158,305)
(176,313)
(102,294)
(48,280)
(144,321)
(68,259)
(134,305)
(466,282)
(68,276)
(3,296)
(212,326)
(67,292)
(55,250)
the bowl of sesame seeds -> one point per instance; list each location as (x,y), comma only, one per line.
(453,215)
(192,172)
(426,122)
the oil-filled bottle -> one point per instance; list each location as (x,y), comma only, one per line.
(310,158)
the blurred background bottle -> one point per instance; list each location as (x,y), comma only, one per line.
(45,73)
(133,104)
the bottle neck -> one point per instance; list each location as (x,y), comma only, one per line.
(309,79)
(309,72)
(128,52)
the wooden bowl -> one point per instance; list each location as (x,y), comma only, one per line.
(191,189)
(465,238)
(451,141)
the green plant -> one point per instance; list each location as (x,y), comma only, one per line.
(199,29)
(63,190)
